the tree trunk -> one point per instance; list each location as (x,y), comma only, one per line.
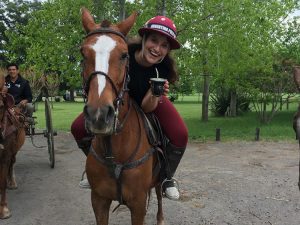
(161,7)
(98,5)
(264,117)
(233,103)
(205,96)
(281,103)
(122,10)
(72,98)
(204,51)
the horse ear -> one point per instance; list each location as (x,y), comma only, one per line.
(88,21)
(126,24)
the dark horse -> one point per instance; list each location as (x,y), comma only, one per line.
(296,119)
(12,136)
(121,160)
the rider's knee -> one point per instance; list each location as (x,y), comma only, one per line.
(181,137)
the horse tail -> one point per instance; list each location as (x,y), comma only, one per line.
(298,132)
(298,138)
(299,176)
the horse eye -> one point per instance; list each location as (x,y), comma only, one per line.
(124,56)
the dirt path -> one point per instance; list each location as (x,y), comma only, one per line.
(221,183)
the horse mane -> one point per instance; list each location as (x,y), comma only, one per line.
(105,24)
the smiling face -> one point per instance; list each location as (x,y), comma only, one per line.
(13,72)
(156,47)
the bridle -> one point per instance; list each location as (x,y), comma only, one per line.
(119,94)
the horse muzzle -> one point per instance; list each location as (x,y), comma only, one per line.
(99,120)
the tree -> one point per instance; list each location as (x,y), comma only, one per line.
(231,37)
(11,14)
(52,39)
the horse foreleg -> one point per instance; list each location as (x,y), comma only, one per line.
(137,208)
(4,211)
(299,169)
(11,178)
(101,208)
(160,214)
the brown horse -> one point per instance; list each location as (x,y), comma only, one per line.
(296,72)
(12,136)
(121,160)
(296,119)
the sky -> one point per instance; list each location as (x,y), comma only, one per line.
(296,13)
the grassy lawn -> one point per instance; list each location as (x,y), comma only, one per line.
(239,128)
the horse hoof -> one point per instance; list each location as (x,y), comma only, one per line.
(4,213)
(161,223)
(12,186)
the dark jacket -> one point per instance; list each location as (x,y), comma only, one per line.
(20,89)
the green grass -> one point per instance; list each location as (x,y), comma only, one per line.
(238,128)
(63,114)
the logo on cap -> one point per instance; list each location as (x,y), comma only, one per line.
(162,28)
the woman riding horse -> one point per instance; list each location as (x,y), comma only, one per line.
(149,57)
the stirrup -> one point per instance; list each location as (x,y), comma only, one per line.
(170,189)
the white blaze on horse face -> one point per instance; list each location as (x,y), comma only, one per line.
(103,48)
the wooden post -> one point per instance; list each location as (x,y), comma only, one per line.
(218,134)
(257,130)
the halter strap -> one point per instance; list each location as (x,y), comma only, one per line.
(107,31)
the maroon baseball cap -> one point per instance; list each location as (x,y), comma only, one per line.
(162,25)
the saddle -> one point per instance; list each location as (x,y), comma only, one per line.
(12,119)
(159,141)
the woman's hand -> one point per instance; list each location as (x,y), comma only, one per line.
(149,102)
(166,88)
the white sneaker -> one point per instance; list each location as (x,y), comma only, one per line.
(170,189)
(172,193)
(84,183)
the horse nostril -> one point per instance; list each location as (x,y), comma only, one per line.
(110,114)
(89,113)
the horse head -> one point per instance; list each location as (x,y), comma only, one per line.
(296,73)
(105,63)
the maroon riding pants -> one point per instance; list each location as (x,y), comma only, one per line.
(171,123)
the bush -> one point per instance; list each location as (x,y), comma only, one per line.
(220,103)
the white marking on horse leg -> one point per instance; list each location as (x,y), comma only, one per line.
(103,47)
